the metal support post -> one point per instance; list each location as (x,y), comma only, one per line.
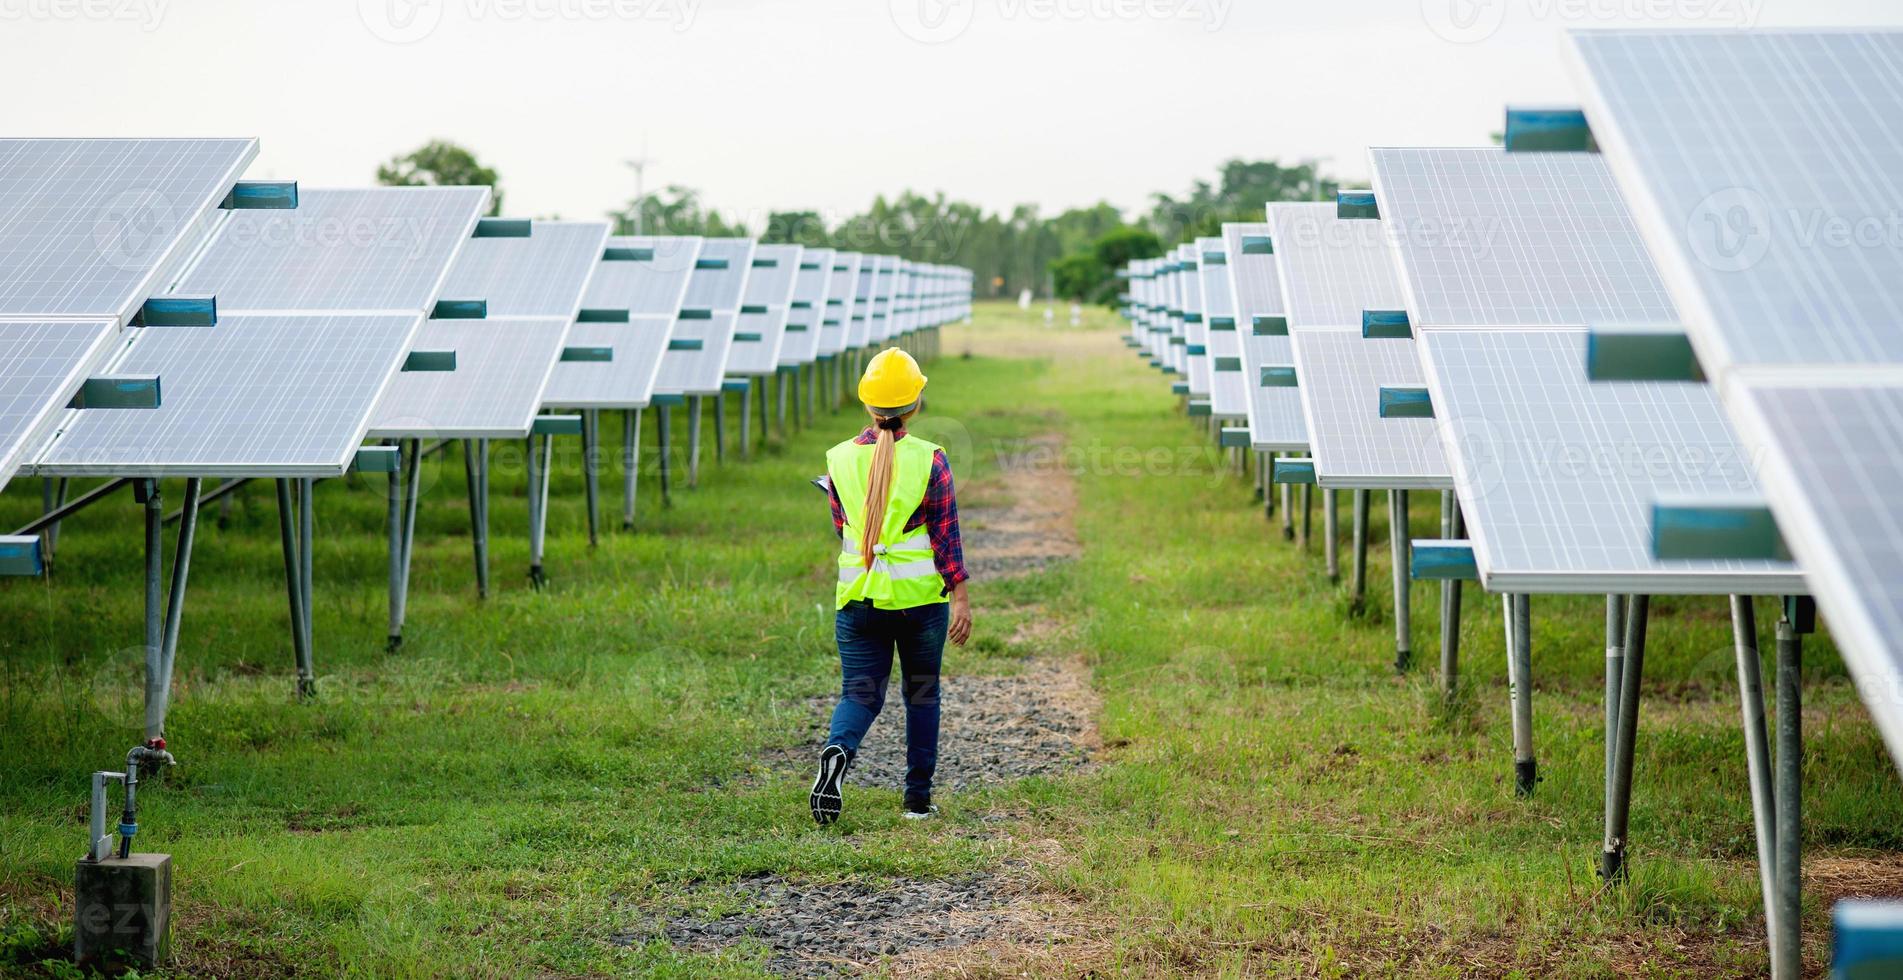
(1398,541)
(1612,856)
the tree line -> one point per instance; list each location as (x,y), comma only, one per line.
(1074,254)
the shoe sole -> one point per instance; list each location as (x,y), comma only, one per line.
(927,815)
(825,799)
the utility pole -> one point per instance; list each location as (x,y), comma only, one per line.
(640,167)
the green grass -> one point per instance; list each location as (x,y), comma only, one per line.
(536,773)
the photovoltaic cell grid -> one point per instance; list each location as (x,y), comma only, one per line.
(651,289)
(859,325)
(1332,269)
(1195,323)
(810,291)
(1838,461)
(89,227)
(502,368)
(1761,168)
(716,287)
(1186,299)
(1557,474)
(1764,169)
(255,396)
(42,364)
(386,248)
(1222,349)
(764,311)
(1341,374)
(1490,238)
(841,304)
(1276,423)
(541,275)
(885,288)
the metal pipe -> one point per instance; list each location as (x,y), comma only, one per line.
(1308,513)
(1450,527)
(307,553)
(412,467)
(1288,512)
(152,753)
(1525,766)
(59,513)
(661,425)
(1398,546)
(791,380)
(175,605)
(1331,532)
(1615,667)
(1612,856)
(693,440)
(478,546)
(1359,586)
(219,493)
(630,464)
(287,534)
(538,506)
(393,520)
(1757,752)
(766,389)
(154,611)
(591,471)
(720,424)
(1786,945)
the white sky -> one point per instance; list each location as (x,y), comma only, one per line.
(816,104)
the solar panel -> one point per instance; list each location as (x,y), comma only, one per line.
(841,304)
(385,248)
(541,275)
(646,277)
(502,368)
(859,325)
(1195,323)
(1764,170)
(254,396)
(89,227)
(1275,416)
(42,363)
(811,289)
(1332,269)
(1490,238)
(1341,374)
(1832,479)
(1222,344)
(764,313)
(885,301)
(1557,475)
(696,358)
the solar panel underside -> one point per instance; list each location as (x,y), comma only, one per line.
(502,368)
(1557,475)
(765,311)
(91,227)
(836,318)
(254,396)
(1764,169)
(541,275)
(1227,394)
(42,364)
(650,287)
(696,358)
(1834,477)
(1341,374)
(1490,238)
(378,249)
(810,291)
(1275,416)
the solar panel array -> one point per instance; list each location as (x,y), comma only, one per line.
(696,358)
(1195,321)
(1228,396)
(541,275)
(842,304)
(859,324)
(645,278)
(1761,168)
(1274,412)
(43,363)
(811,290)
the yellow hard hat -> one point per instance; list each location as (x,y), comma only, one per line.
(892,382)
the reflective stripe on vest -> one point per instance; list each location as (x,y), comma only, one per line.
(903,573)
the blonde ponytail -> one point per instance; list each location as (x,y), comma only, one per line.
(879,484)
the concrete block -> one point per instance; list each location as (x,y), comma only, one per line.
(123,911)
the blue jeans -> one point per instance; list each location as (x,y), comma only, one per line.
(867,637)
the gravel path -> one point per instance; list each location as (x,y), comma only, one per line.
(844,928)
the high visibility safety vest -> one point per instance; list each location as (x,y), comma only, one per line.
(903,574)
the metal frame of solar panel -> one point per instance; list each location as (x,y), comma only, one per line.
(1228,397)
(1274,411)
(630,307)
(708,315)
(1758,167)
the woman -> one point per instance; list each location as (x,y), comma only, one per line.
(901,581)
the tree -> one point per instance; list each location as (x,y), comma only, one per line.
(1078,276)
(795,228)
(676,210)
(444,164)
